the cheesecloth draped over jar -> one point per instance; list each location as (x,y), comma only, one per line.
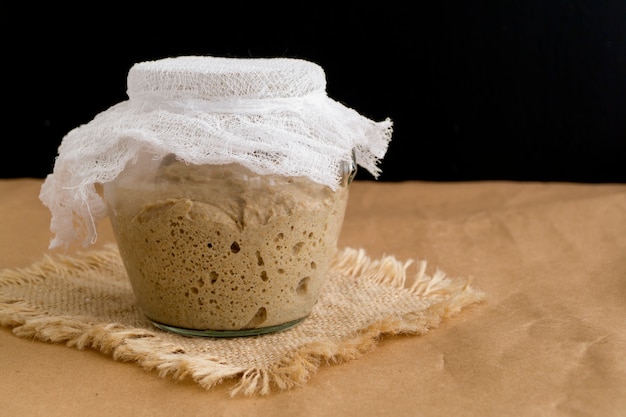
(271,115)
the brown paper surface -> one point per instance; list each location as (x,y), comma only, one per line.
(550,339)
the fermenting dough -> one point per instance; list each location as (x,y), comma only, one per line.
(219,247)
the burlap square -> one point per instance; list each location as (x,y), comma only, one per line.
(86,301)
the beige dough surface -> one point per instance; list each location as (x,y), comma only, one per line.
(222,248)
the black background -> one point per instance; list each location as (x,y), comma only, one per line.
(502,90)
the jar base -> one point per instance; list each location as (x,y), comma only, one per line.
(226,333)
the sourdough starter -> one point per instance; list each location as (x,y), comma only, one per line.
(222,248)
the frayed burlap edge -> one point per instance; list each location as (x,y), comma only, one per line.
(148,350)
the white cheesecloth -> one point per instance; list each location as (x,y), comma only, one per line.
(271,115)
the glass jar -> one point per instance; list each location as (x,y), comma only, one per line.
(226,182)
(221,251)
